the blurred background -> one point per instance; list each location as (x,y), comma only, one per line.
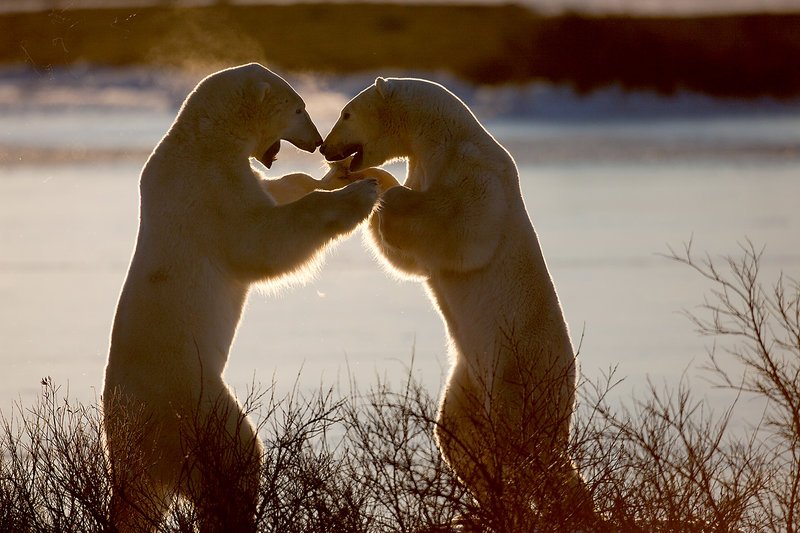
(636,125)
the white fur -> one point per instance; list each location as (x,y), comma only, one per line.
(459,224)
(210,226)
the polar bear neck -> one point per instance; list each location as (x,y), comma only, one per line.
(443,124)
(211,133)
(439,140)
(201,138)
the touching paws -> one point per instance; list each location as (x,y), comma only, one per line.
(339,176)
(385,180)
(362,194)
(356,202)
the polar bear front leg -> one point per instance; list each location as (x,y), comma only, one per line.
(400,261)
(290,187)
(439,229)
(339,176)
(276,240)
(385,179)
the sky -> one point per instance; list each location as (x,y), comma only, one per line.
(646,7)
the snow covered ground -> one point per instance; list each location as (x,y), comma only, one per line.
(610,180)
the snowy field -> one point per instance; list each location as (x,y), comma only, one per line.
(610,181)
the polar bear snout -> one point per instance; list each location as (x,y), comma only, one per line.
(337,153)
(303,133)
(308,144)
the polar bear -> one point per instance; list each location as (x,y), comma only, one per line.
(210,226)
(460,225)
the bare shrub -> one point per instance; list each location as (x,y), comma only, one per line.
(388,448)
(757,325)
(303,488)
(367,462)
(53,472)
(55,477)
(410,486)
(669,463)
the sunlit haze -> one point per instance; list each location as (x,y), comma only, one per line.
(643,7)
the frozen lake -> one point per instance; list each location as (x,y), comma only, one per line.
(609,182)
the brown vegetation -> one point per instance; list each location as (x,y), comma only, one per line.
(366,461)
(742,55)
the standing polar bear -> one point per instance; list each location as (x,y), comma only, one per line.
(460,225)
(210,226)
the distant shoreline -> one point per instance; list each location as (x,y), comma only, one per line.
(725,56)
(631,8)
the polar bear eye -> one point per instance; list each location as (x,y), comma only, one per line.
(298,111)
(345,115)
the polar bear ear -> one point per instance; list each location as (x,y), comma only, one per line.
(257,91)
(383,87)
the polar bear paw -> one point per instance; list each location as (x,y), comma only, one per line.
(337,177)
(356,202)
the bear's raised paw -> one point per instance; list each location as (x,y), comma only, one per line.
(355,203)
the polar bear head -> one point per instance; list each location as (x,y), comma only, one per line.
(385,121)
(254,106)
